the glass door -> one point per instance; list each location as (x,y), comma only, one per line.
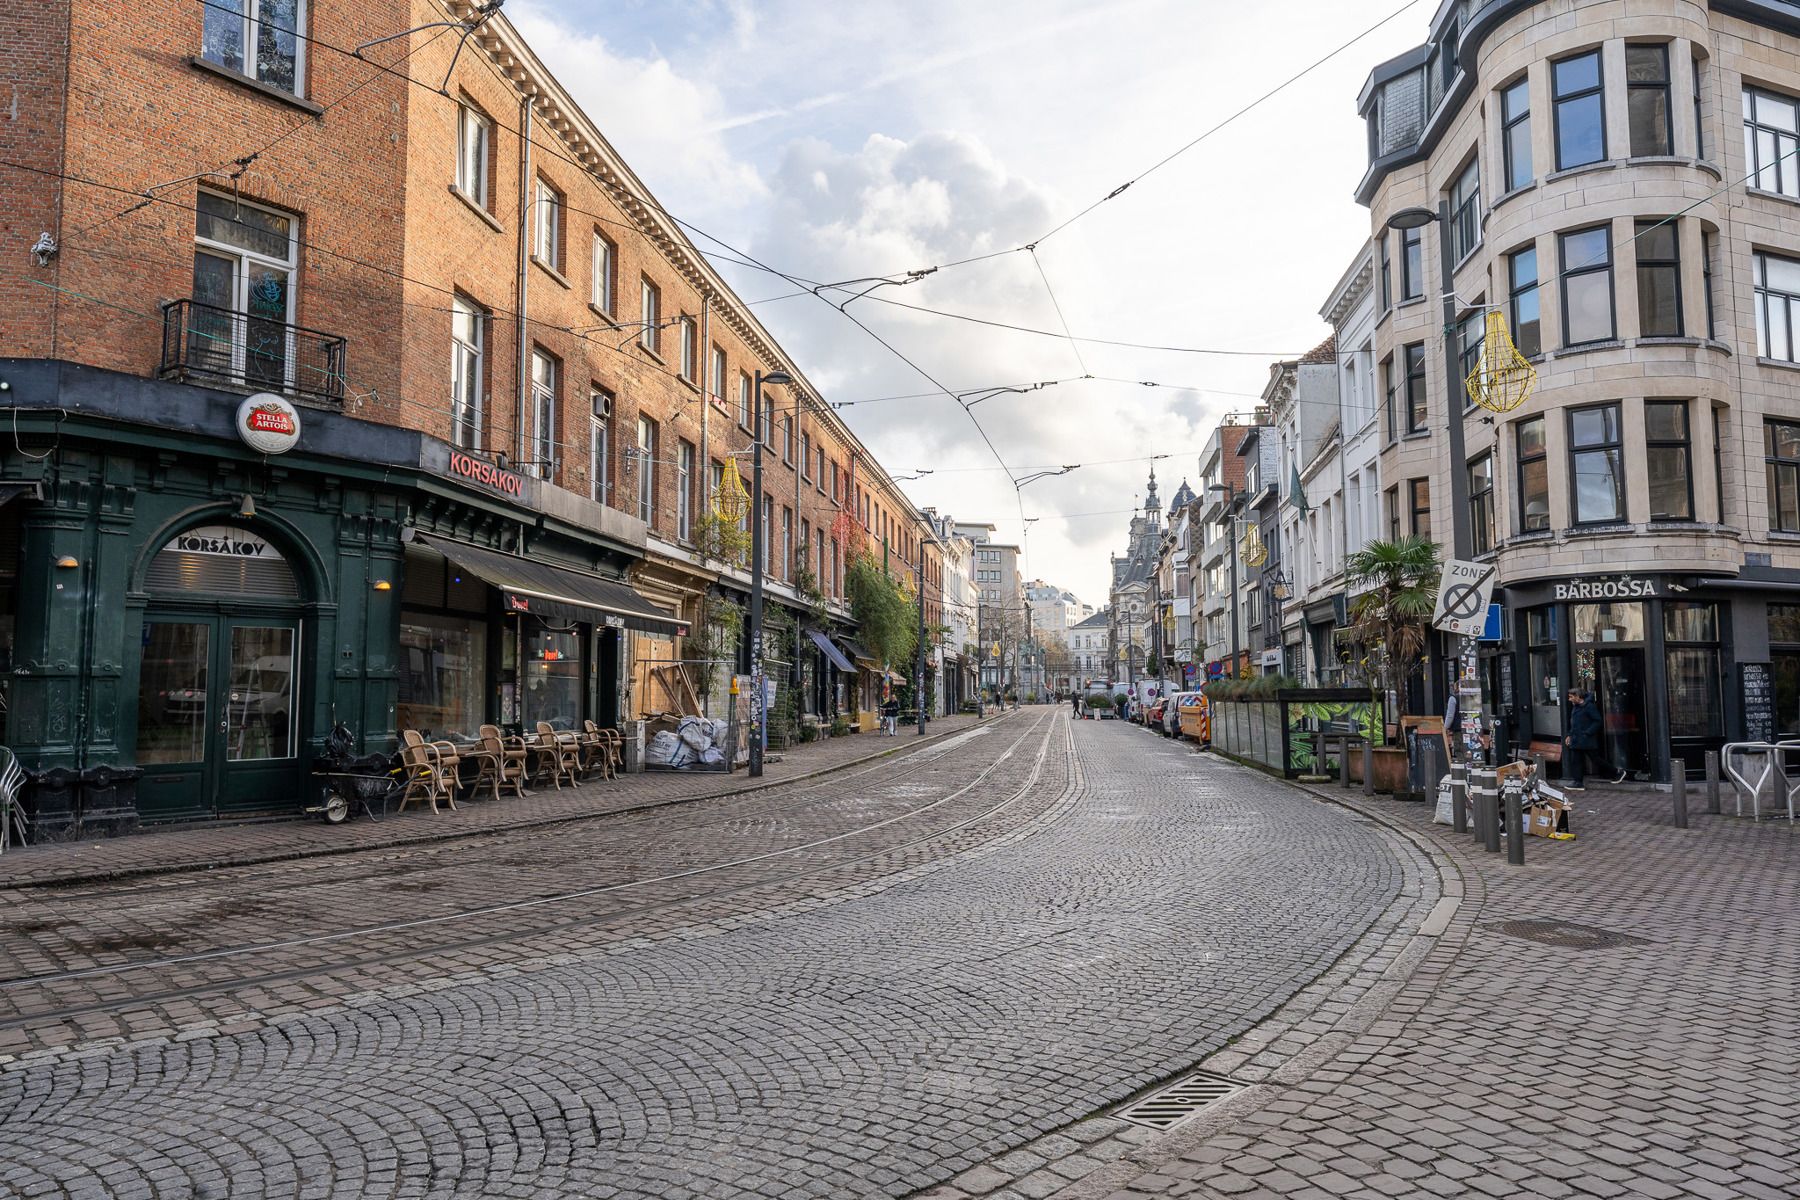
(174,718)
(1620,692)
(258,707)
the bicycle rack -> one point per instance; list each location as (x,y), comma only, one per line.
(1740,783)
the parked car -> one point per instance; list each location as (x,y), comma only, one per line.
(1153,716)
(1171,714)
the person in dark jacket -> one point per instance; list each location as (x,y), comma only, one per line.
(1583,739)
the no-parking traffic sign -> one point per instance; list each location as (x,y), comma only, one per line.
(1463,595)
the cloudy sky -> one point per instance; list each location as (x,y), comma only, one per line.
(836,141)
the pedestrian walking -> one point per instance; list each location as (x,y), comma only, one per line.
(890,715)
(1583,738)
(1075,703)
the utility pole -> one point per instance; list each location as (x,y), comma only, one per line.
(919,693)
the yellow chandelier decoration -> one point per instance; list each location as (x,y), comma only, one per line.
(1254,552)
(1503,378)
(733,498)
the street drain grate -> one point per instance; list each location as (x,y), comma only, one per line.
(1179,1101)
(1568,935)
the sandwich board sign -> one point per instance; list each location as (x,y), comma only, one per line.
(1464,592)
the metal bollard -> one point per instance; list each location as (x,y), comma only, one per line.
(1678,791)
(1368,768)
(1318,741)
(1489,813)
(1459,797)
(1515,827)
(1344,762)
(1712,782)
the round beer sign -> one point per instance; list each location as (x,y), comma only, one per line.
(268,424)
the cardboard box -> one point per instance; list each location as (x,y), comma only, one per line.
(1550,819)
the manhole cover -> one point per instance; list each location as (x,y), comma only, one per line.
(1179,1101)
(1567,935)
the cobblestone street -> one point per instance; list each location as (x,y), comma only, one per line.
(862,984)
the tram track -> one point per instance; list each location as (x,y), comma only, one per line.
(53,1012)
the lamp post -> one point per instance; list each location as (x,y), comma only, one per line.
(919,691)
(758,699)
(1460,541)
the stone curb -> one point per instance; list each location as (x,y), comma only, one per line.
(110,875)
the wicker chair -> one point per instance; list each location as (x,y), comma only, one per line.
(596,750)
(424,773)
(559,752)
(503,762)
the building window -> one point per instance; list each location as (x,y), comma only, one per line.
(472,131)
(1691,641)
(819,480)
(468,326)
(1481,504)
(1465,211)
(1412,263)
(650,335)
(1587,291)
(258,38)
(1515,134)
(543,415)
(1699,111)
(1771,148)
(743,401)
(606,265)
(1468,354)
(1580,110)
(768,532)
(1419,491)
(1595,463)
(690,349)
(805,455)
(1669,460)
(1647,100)
(1393,512)
(1389,386)
(548,239)
(1387,273)
(684,490)
(1709,247)
(787,542)
(600,446)
(1522,301)
(1781,456)
(1777,301)
(1534,475)
(244,258)
(1416,414)
(1658,279)
(716,385)
(646,464)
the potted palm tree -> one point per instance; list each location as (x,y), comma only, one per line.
(1392,619)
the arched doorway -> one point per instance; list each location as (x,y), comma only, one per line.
(219,706)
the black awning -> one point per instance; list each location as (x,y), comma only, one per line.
(830,651)
(542,590)
(859,652)
(12,489)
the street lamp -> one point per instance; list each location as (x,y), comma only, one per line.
(758,699)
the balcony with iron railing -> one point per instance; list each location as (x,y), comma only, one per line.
(203,343)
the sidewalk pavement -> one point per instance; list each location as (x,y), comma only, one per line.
(202,846)
(1619,1016)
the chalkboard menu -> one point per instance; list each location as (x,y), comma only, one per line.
(1506,683)
(1759,701)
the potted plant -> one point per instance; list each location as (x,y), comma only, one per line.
(1392,618)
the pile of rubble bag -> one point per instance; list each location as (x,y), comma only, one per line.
(696,743)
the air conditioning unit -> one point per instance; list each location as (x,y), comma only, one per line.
(603,406)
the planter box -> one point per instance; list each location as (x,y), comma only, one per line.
(1390,769)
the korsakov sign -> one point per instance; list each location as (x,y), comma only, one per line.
(1623,587)
(467,466)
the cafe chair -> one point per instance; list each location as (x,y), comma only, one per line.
(559,753)
(596,750)
(423,773)
(503,761)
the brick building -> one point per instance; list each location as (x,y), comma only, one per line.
(503,408)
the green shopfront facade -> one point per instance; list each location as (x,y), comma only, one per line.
(184,618)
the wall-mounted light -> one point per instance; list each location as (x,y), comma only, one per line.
(382,585)
(247,508)
(68,562)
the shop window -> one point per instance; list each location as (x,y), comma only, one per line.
(1784,656)
(1605,624)
(1670,460)
(1595,463)
(553,677)
(1696,701)
(1534,476)
(1781,459)
(443,668)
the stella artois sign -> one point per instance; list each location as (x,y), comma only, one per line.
(268,424)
